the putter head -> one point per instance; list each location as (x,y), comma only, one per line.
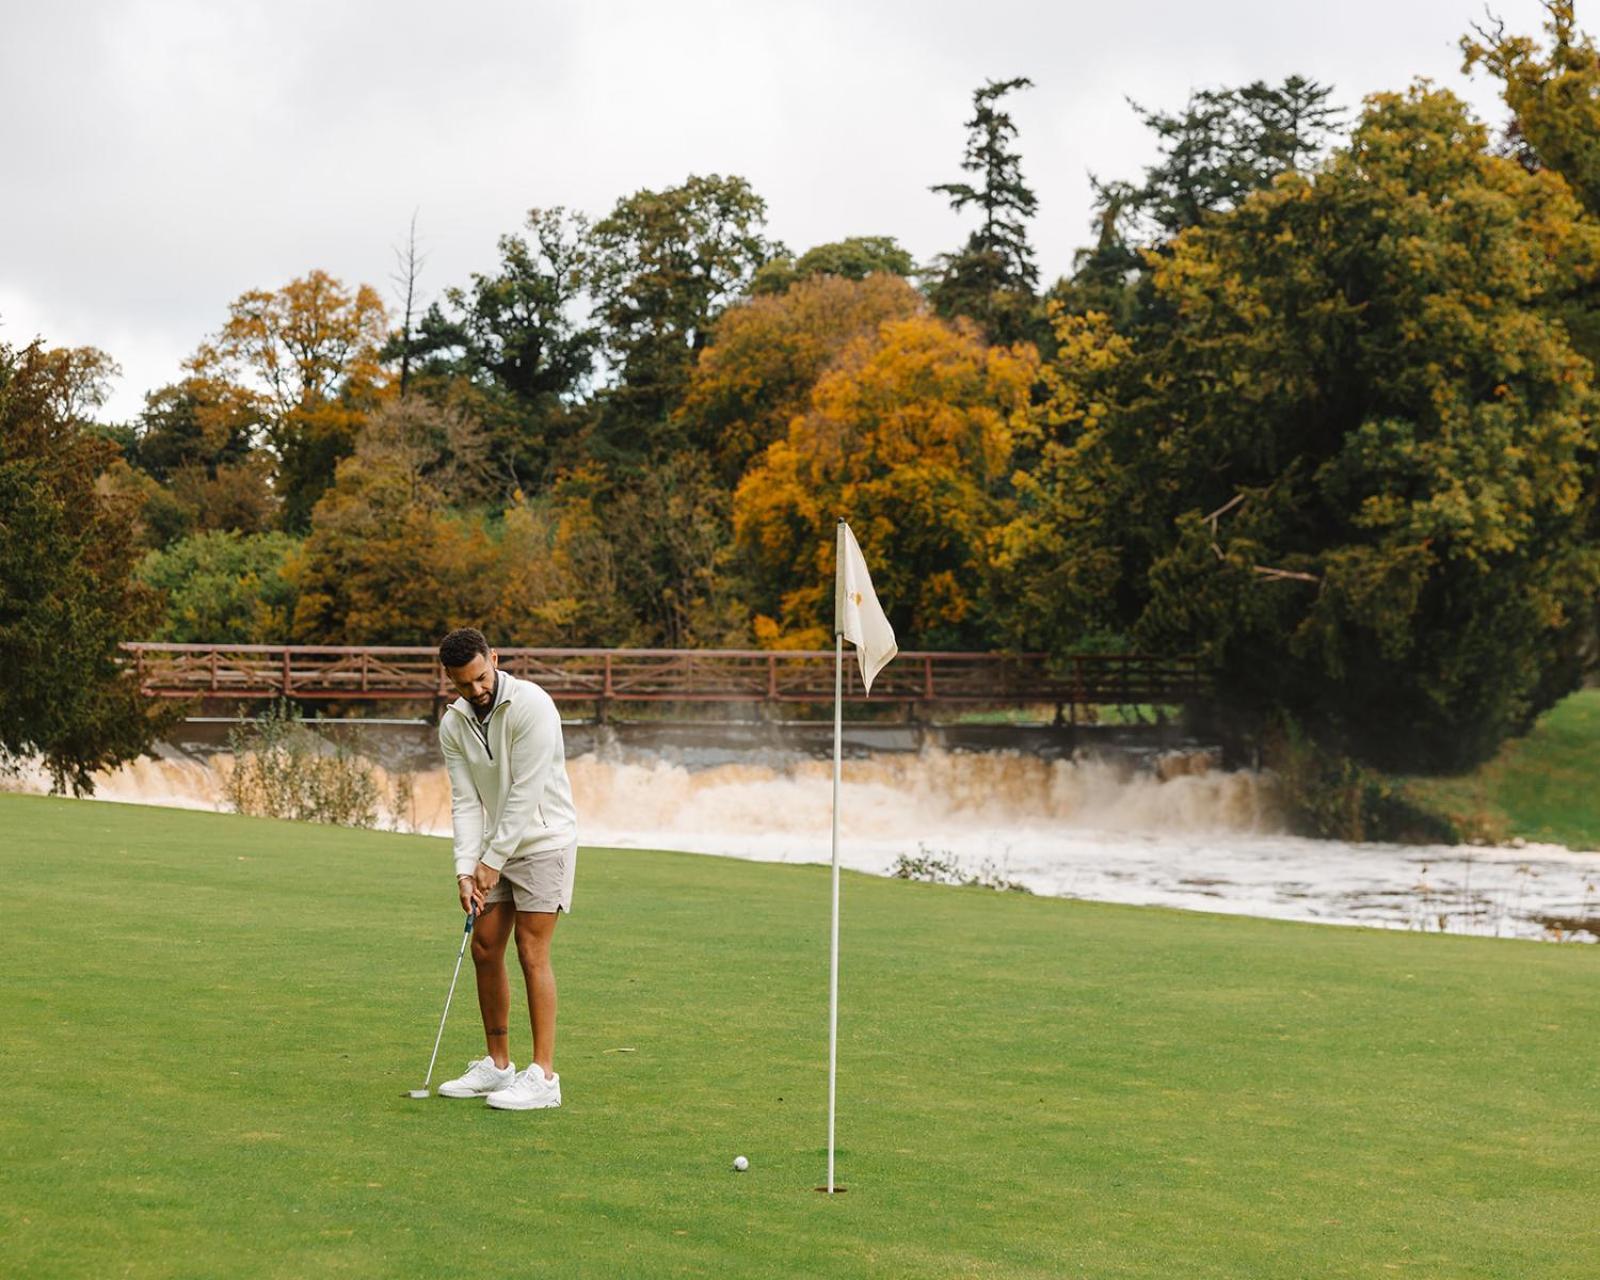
(418,1093)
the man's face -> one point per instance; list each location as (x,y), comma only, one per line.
(474,680)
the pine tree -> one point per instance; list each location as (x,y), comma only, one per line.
(993,277)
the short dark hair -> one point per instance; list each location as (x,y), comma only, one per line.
(461,645)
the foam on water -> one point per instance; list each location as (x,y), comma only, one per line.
(1180,833)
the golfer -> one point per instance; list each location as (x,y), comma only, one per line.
(516,849)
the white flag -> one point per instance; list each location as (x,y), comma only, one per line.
(857,614)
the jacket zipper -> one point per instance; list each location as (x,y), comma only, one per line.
(481,727)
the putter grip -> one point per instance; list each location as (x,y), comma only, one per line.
(468,927)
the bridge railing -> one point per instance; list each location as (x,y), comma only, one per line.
(384,672)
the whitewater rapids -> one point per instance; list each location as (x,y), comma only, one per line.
(1174,832)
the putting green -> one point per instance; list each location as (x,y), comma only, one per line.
(208,1022)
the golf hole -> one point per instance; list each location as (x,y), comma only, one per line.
(838,1191)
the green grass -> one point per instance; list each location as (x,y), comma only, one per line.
(1544,787)
(207,1021)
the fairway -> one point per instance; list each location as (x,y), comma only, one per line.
(208,1021)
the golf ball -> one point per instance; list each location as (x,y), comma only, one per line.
(740,1164)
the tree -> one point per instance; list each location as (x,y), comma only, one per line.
(515,329)
(442,447)
(385,561)
(662,266)
(77,380)
(560,568)
(402,345)
(67,591)
(1554,99)
(993,277)
(852,259)
(223,587)
(513,340)
(671,526)
(1554,95)
(1225,144)
(909,437)
(194,423)
(196,445)
(766,355)
(307,357)
(1346,459)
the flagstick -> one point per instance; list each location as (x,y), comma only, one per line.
(833,966)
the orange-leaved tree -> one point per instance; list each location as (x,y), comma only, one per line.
(909,438)
(307,355)
(766,355)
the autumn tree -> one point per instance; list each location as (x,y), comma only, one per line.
(992,277)
(307,356)
(385,562)
(767,354)
(197,442)
(662,266)
(557,576)
(68,594)
(671,526)
(910,438)
(1347,458)
(1553,94)
(1554,98)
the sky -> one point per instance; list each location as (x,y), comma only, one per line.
(164,156)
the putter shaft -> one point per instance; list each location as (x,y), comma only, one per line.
(466,933)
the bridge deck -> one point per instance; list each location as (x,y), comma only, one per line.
(662,675)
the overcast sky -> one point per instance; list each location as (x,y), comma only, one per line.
(161,157)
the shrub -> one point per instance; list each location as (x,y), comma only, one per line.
(283,769)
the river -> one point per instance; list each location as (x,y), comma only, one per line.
(1152,827)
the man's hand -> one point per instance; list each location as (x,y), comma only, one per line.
(485,878)
(471,896)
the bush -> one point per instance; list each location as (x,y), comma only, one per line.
(1330,797)
(282,769)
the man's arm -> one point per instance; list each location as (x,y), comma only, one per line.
(466,809)
(533,737)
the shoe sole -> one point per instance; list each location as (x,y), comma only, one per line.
(523,1106)
(483,1093)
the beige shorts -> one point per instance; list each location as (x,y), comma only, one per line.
(537,882)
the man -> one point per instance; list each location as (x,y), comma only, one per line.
(516,850)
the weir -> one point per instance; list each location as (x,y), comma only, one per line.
(1122,816)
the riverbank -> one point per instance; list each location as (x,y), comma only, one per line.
(1543,788)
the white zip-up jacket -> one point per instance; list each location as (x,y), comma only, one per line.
(509,792)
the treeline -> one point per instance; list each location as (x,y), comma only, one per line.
(1317,404)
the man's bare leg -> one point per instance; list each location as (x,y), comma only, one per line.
(534,932)
(490,932)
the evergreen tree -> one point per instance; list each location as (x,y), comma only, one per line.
(1223,145)
(993,277)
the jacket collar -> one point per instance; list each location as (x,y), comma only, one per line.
(501,692)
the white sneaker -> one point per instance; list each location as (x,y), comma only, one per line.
(528,1091)
(481,1077)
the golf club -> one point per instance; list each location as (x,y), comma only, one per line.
(427,1082)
